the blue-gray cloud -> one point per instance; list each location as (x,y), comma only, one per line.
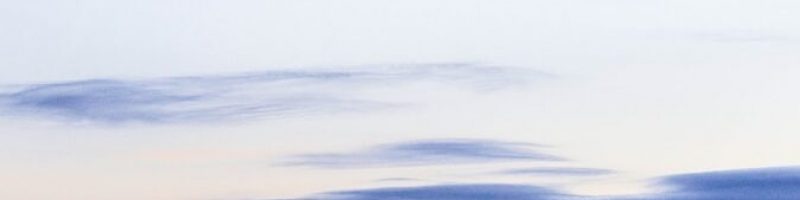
(427,152)
(451,192)
(557,171)
(94,99)
(782,183)
(127,101)
(225,97)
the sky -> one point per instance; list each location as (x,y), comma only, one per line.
(407,100)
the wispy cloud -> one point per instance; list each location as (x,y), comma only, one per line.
(427,152)
(557,171)
(126,101)
(450,192)
(262,94)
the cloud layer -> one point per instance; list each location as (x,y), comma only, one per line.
(263,94)
(426,152)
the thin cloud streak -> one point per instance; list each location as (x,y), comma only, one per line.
(426,152)
(253,95)
(557,171)
(451,192)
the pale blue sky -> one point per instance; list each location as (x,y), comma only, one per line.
(46,40)
(372,99)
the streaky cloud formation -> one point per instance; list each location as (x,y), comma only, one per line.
(451,192)
(426,152)
(780,183)
(278,93)
(557,171)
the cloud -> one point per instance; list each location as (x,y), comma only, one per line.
(557,171)
(278,93)
(450,192)
(427,152)
(126,101)
(95,99)
(781,183)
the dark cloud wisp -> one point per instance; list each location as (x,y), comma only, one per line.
(121,101)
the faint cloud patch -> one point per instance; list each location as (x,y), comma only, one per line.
(427,152)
